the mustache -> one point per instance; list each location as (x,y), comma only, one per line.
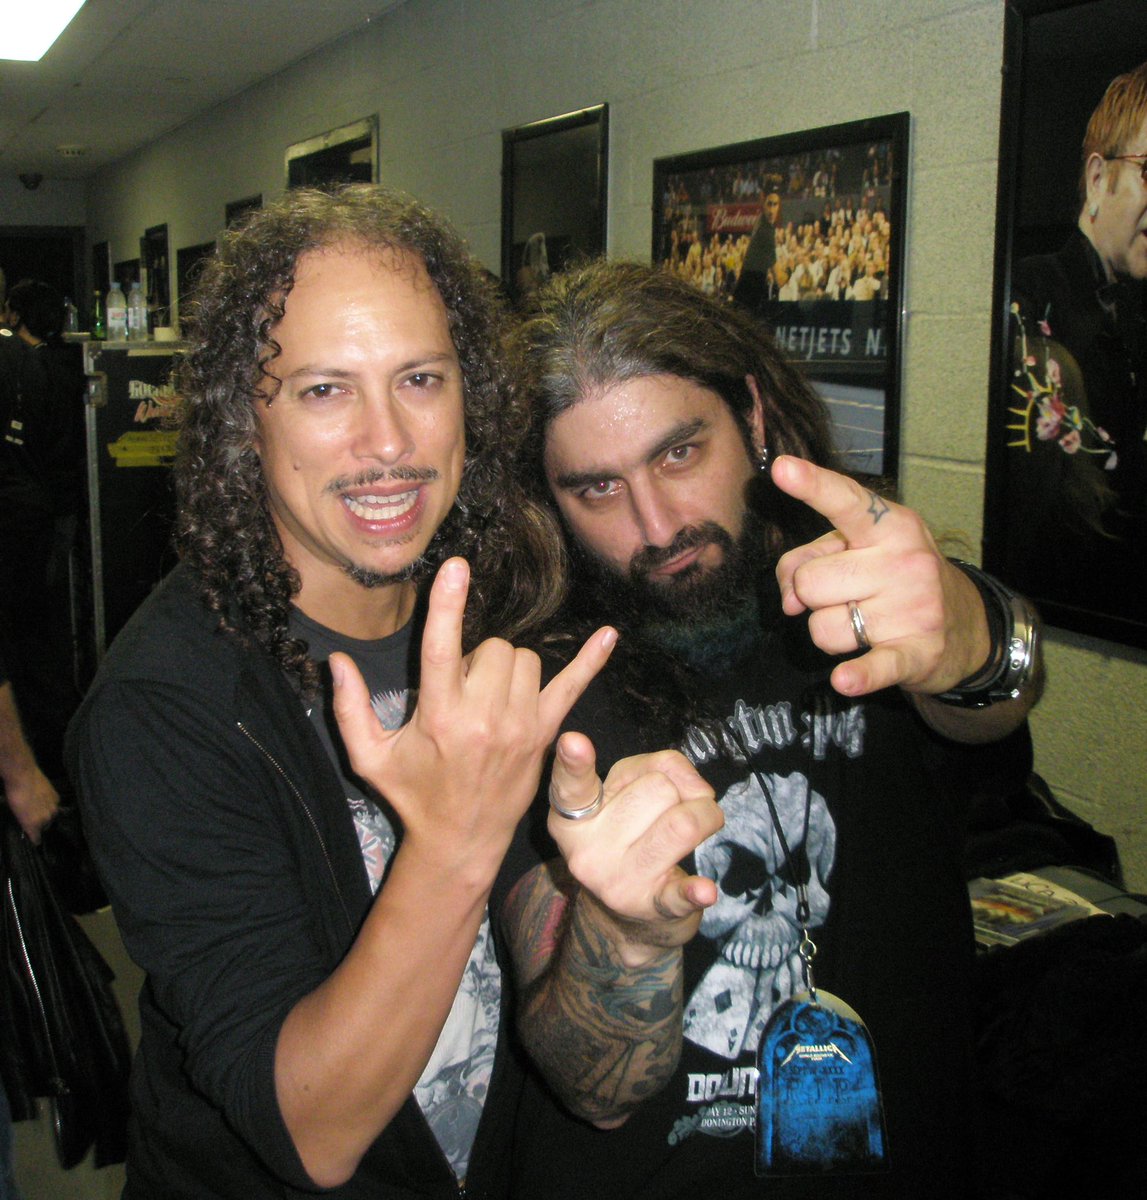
(651,557)
(382,475)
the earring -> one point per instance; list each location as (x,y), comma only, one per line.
(763,459)
(1093,211)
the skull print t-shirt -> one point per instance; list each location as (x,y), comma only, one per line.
(869,804)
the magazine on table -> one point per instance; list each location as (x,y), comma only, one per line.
(1007,910)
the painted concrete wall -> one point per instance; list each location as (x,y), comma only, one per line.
(446,76)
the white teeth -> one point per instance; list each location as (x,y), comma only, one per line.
(381,508)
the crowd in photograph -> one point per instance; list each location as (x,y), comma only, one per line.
(831,240)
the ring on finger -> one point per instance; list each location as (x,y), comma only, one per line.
(579,814)
(858,626)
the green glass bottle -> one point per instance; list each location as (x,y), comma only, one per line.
(99,328)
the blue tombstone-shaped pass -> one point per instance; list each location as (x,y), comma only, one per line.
(818,1103)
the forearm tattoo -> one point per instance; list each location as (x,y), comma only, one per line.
(605,1035)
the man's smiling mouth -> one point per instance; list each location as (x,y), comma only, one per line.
(381,508)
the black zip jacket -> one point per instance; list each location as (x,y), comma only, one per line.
(230,857)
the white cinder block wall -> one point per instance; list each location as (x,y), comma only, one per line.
(446,76)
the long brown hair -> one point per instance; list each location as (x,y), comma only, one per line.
(609,322)
(612,321)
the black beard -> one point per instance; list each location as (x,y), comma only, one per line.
(705,615)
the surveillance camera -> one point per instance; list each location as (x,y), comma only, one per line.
(31,180)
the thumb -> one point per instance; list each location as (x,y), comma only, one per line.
(362,734)
(574,783)
(699,891)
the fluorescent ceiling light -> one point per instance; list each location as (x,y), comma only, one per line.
(27,31)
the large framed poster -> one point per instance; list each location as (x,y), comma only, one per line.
(807,230)
(1065,517)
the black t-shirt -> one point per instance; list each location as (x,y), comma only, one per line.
(385,667)
(453,1087)
(889,917)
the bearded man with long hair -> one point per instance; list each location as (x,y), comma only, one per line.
(842,686)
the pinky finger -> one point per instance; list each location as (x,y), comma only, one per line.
(882,667)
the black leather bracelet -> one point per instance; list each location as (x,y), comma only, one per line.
(1014,629)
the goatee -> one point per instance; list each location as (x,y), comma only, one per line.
(369,579)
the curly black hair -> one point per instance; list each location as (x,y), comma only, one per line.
(224,525)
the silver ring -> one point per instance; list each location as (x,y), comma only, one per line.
(579,814)
(858,626)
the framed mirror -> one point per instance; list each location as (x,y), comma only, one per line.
(554,194)
(189,263)
(236,210)
(154,251)
(348,154)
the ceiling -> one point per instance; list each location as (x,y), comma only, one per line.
(125,72)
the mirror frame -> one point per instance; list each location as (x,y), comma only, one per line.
(596,115)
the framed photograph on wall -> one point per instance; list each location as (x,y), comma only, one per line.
(189,264)
(807,230)
(1065,516)
(348,154)
(153,250)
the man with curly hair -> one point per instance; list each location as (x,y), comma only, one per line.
(322,999)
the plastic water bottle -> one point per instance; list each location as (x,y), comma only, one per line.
(117,314)
(71,316)
(136,314)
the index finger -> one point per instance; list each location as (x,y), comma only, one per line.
(559,695)
(854,510)
(441,652)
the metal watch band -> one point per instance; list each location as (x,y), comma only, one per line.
(1012,662)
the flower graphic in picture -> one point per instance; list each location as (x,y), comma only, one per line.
(1044,409)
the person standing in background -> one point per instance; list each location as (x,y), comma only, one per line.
(41,483)
(33,801)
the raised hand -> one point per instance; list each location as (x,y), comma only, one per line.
(923,618)
(463,769)
(656,810)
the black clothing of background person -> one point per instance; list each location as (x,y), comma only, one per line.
(1076,519)
(41,476)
